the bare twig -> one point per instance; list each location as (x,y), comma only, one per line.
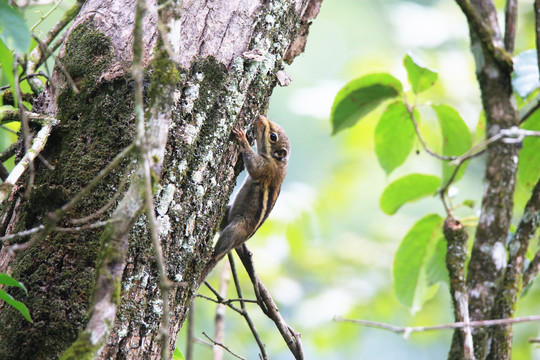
(223,346)
(25,128)
(37,145)
(41,52)
(244,309)
(510,25)
(408,330)
(531,271)
(268,306)
(96,180)
(219,333)
(421,138)
(190,332)
(10,151)
(59,65)
(41,228)
(110,203)
(44,16)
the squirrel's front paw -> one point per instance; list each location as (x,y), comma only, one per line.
(239,135)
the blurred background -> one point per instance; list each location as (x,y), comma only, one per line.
(327,249)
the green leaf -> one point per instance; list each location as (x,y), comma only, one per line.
(360,96)
(411,259)
(456,138)
(13,30)
(525,75)
(529,156)
(19,306)
(408,189)
(6,62)
(177,355)
(436,269)
(394,137)
(420,77)
(5,279)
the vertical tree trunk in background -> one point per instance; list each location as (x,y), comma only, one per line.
(228,54)
(488,258)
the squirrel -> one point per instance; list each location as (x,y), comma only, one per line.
(266,170)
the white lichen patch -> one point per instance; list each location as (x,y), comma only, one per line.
(200,191)
(164,225)
(157,307)
(167,196)
(270,19)
(197,176)
(178,277)
(190,225)
(122,332)
(499,255)
(191,94)
(190,134)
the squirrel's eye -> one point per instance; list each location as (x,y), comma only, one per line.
(273,136)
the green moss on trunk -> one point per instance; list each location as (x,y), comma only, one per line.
(59,271)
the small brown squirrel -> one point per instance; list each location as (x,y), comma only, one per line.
(266,170)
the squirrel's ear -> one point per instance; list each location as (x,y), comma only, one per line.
(280,154)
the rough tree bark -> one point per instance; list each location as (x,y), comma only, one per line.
(228,54)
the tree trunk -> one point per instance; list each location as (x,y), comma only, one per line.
(227,54)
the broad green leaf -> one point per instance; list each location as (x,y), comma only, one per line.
(13,30)
(394,137)
(177,355)
(436,268)
(529,156)
(6,62)
(420,77)
(408,189)
(360,96)
(19,306)
(411,260)
(525,75)
(456,139)
(5,279)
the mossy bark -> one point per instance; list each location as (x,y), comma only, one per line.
(213,93)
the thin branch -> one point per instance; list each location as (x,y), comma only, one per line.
(220,300)
(190,332)
(421,138)
(10,151)
(456,255)
(111,202)
(526,111)
(43,17)
(485,34)
(408,330)
(25,130)
(39,54)
(531,272)
(41,228)
(59,64)
(37,145)
(219,322)
(268,306)
(510,25)
(226,301)
(223,346)
(244,309)
(96,180)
